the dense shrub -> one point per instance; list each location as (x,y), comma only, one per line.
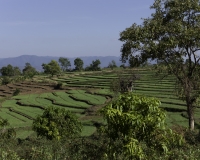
(58,85)
(57,123)
(8,154)
(138,124)
(82,148)
(16,92)
(5,80)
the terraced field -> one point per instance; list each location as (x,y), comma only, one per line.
(83,94)
(149,85)
(21,110)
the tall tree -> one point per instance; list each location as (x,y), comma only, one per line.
(78,64)
(29,70)
(171,36)
(52,68)
(16,71)
(112,64)
(94,66)
(65,63)
(7,71)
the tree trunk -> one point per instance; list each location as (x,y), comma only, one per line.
(190,112)
(191,121)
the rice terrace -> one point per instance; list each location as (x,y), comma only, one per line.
(134,96)
(83,94)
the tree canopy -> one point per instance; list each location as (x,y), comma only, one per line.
(94,66)
(52,68)
(9,70)
(135,122)
(29,70)
(112,64)
(78,62)
(65,63)
(171,36)
(8,132)
(57,123)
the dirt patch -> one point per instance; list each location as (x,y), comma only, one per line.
(26,88)
(90,118)
(93,111)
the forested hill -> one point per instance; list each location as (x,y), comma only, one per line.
(36,61)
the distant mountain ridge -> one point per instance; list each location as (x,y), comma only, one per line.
(36,61)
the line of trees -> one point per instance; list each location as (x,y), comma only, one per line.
(10,71)
(54,67)
(64,65)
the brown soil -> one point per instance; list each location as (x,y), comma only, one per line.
(25,88)
(93,112)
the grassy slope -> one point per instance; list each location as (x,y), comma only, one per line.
(91,84)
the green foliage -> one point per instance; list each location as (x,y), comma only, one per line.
(16,92)
(124,82)
(9,70)
(65,63)
(78,64)
(89,148)
(94,66)
(192,137)
(112,64)
(58,85)
(8,155)
(57,123)
(5,80)
(122,66)
(29,70)
(6,133)
(16,71)
(138,123)
(3,122)
(52,68)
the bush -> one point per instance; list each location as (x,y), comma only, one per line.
(5,80)
(16,92)
(57,123)
(58,85)
(8,155)
(192,137)
(139,123)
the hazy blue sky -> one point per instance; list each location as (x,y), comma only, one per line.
(69,28)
